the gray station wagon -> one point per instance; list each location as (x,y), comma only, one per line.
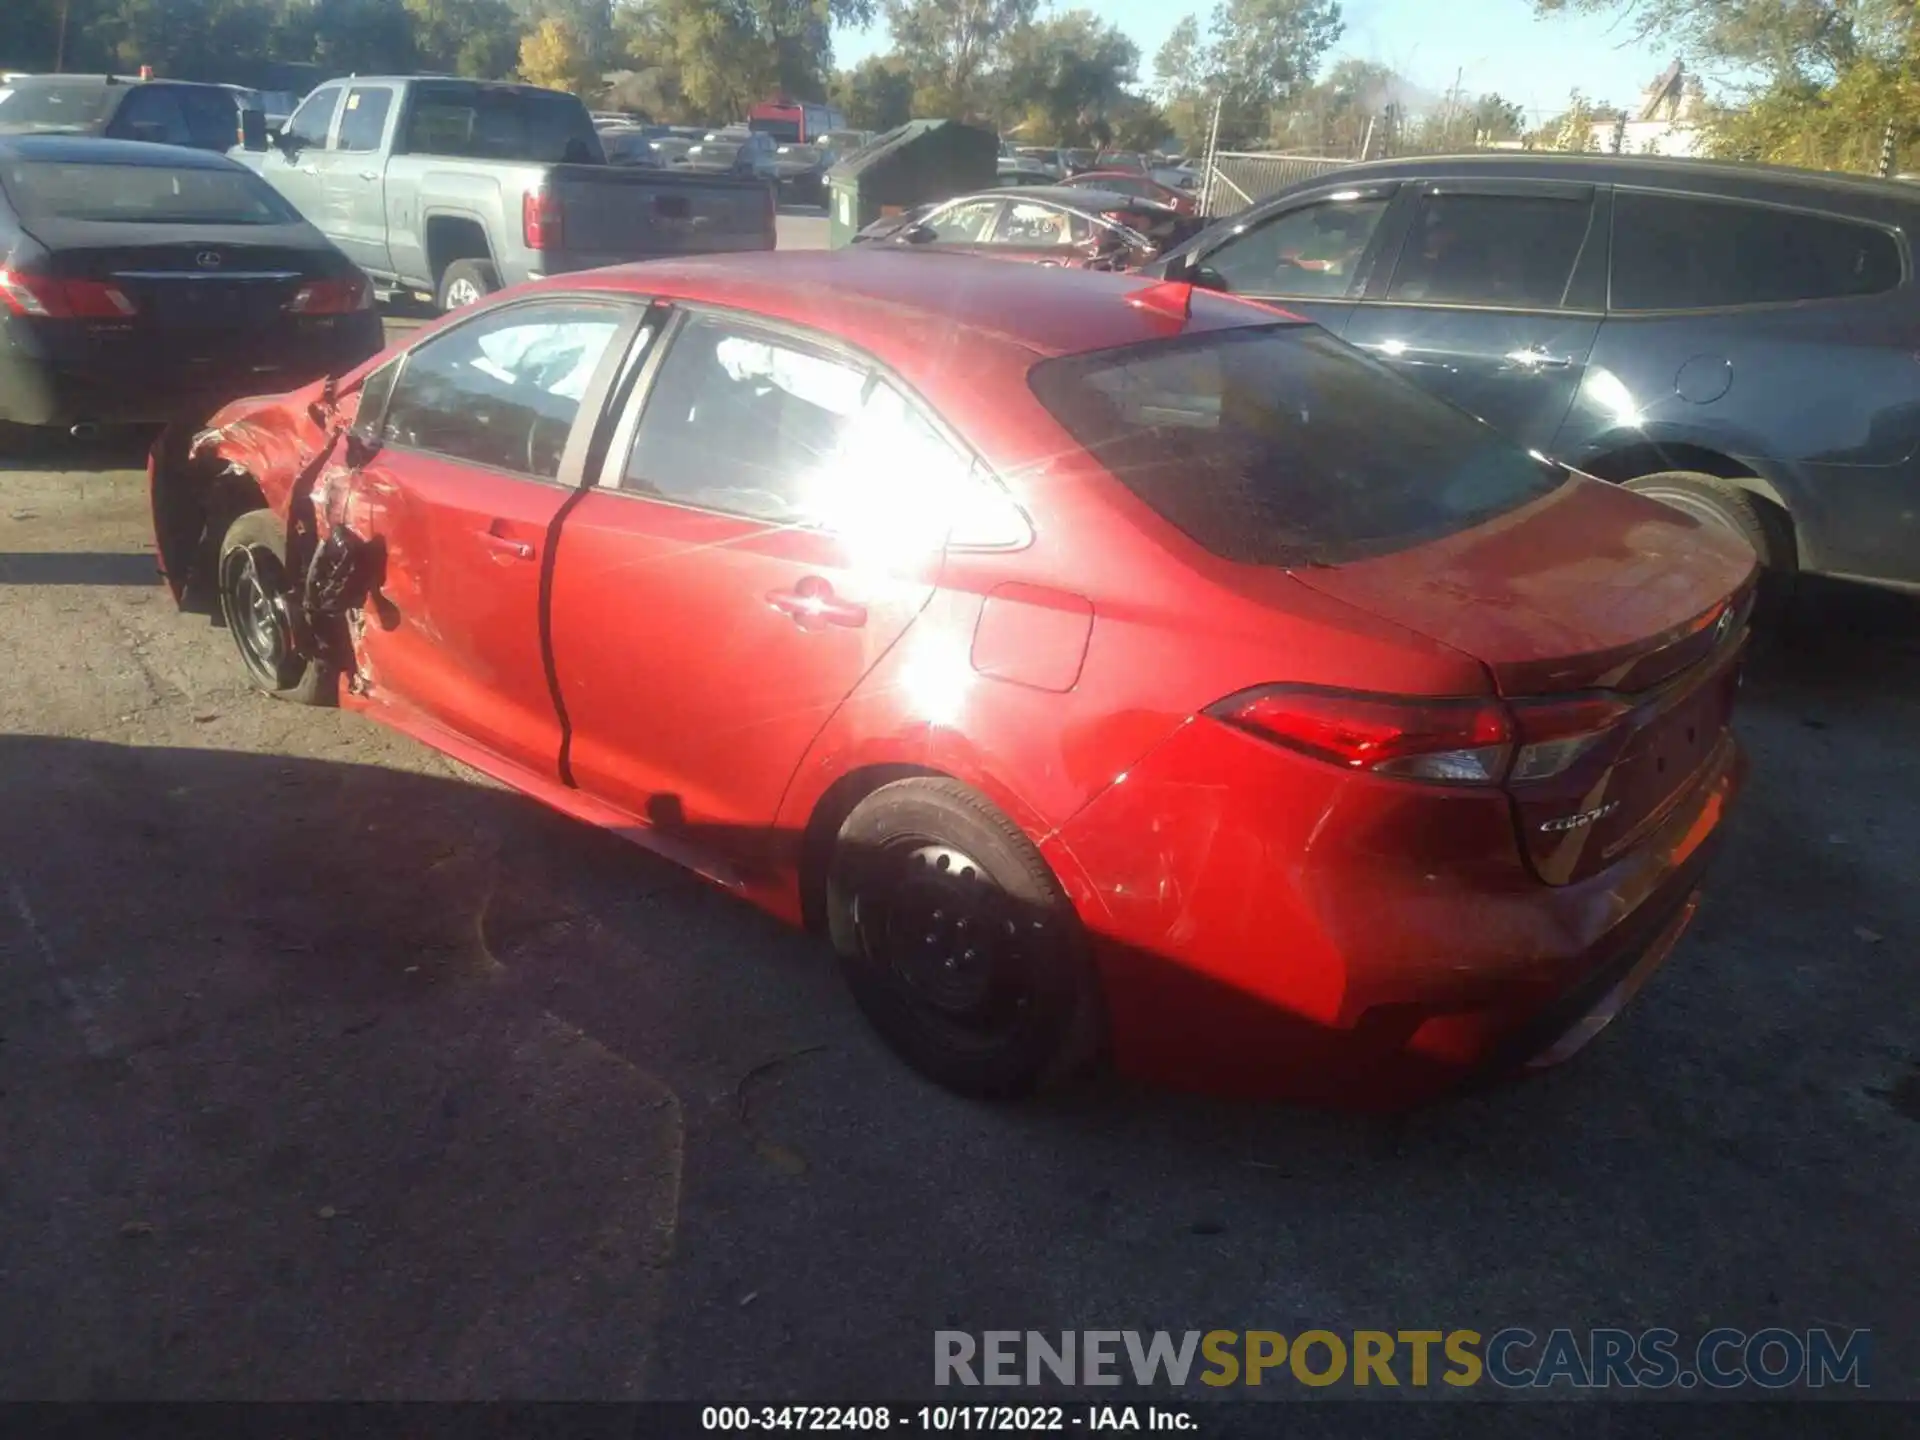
(1742,342)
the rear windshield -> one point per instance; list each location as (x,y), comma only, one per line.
(1278,445)
(480,122)
(142,194)
(61,105)
(787,131)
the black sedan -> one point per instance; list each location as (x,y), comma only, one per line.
(147,283)
(1045,225)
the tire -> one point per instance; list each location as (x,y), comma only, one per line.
(1723,504)
(255,604)
(920,868)
(464,283)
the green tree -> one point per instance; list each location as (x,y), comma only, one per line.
(950,45)
(1263,52)
(553,54)
(1180,79)
(876,94)
(343,37)
(480,38)
(1065,80)
(1815,82)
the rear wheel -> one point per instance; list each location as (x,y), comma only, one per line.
(957,941)
(467,282)
(256,602)
(1725,506)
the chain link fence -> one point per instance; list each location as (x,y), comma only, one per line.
(1232,180)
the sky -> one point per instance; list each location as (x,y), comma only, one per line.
(1492,45)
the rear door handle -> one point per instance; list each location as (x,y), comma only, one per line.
(369,174)
(812,605)
(309,169)
(506,545)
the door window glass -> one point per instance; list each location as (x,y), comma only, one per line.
(1029,224)
(364,121)
(764,428)
(1506,251)
(1312,252)
(1674,253)
(502,390)
(314,118)
(963,224)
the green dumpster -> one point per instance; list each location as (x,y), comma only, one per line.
(923,160)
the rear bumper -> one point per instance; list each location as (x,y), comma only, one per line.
(145,378)
(1334,945)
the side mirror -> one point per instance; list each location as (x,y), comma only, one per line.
(920,235)
(1205,277)
(253,131)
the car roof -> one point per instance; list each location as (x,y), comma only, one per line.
(889,302)
(1073,197)
(91,150)
(1727,179)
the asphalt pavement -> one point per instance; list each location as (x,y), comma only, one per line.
(328,1070)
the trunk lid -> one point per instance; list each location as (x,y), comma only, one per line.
(1612,626)
(620,213)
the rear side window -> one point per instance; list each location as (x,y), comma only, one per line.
(1279,445)
(152,113)
(57,105)
(487,122)
(213,116)
(364,120)
(1679,253)
(1508,251)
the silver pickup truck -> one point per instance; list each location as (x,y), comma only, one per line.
(455,188)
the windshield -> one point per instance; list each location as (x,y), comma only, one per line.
(61,105)
(487,122)
(142,194)
(786,131)
(1279,445)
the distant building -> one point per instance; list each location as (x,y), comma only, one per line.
(1666,122)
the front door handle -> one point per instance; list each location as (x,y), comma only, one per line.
(369,174)
(1539,360)
(309,169)
(811,605)
(506,545)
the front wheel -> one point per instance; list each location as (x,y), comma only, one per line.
(957,941)
(256,602)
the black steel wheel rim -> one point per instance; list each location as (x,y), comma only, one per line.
(949,937)
(257,615)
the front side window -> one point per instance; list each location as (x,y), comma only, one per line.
(1678,253)
(769,429)
(1310,252)
(502,390)
(964,224)
(314,118)
(1279,445)
(1036,225)
(364,121)
(1507,251)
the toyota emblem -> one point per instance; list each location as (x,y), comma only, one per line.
(208,260)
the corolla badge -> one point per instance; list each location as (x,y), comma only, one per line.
(1580,821)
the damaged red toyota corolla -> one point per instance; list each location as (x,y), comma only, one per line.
(1104,669)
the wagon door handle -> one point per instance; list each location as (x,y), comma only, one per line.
(506,545)
(1539,360)
(811,604)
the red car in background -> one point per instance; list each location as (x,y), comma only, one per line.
(1102,667)
(1043,225)
(1122,182)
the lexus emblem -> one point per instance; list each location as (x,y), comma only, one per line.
(209,260)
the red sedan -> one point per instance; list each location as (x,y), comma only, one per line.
(1141,187)
(1103,667)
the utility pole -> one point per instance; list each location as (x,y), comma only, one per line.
(60,41)
(1886,152)
(1453,101)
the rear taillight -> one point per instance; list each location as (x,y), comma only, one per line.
(541,221)
(1457,742)
(1550,735)
(44,297)
(332,297)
